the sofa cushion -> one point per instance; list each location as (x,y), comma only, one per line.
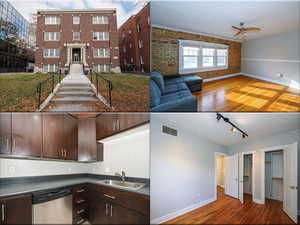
(173,80)
(155,94)
(159,80)
(171,88)
(174,96)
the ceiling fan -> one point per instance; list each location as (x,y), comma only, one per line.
(242,31)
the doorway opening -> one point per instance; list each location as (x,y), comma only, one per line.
(76,55)
(219,175)
(274,175)
(248,177)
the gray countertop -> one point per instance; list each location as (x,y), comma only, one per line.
(16,187)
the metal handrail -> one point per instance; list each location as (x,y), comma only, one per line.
(110,86)
(39,87)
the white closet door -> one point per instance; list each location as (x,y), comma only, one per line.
(241,177)
(232,176)
(290,182)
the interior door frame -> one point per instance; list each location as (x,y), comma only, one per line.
(215,165)
(264,150)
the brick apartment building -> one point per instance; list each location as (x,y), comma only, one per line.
(87,37)
(134,42)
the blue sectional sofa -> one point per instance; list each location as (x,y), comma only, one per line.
(174,93)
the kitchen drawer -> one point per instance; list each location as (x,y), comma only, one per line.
(137,202)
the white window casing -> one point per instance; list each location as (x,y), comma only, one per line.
(101,68)
(199,56)
(100,19)
(51,53)
(100,36)
(76,19)
(52,36)
(102,53)
(52,20)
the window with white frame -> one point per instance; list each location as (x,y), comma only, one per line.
(131,59)
(76,36)
(101,52)
(138,27)
(100,36)
(47,68)
(76,19)
(141,44)
(142,59)
(198,56)
(51,20)
(51,53)
(100,19)
(101,68)
(51,36)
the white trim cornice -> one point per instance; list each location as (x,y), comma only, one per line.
(197,33)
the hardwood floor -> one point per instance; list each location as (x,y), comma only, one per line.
(242,93)
(227,210)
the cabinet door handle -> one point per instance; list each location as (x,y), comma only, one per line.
(80,211)
(80,201)
(111,211)
(81,190)
(80,221)
(109,196)
(3,212)
(106,209)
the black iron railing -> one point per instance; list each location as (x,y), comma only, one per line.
(109,86)
(50,81)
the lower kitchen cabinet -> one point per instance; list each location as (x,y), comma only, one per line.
(122,215)
(16,210)
(98,213)
(80,204)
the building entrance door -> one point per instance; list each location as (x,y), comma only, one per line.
(76,55)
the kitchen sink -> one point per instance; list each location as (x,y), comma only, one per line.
(125,184)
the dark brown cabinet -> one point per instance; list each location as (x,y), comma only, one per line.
(59,136)
(99,208)
(80,203)
(5,133)
(16,210)
(26,134)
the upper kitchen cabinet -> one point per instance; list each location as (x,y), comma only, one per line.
(108,124)
(59,136)
(87,145)
(26,134)
(5,133)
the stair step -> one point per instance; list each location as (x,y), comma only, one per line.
(75,84)
(75,93)
(75,88)
(74,99)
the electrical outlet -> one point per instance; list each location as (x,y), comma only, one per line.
(70,169)
(12,169)
(280,75)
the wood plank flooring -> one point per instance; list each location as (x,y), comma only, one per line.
(246,94)
(227,210)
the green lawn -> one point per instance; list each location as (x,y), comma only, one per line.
(18,92)
(130,93)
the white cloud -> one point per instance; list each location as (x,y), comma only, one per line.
(28,7)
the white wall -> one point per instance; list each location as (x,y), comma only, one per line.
(128,151)
(266,57)
(25,168)
(285,138)
(182,170)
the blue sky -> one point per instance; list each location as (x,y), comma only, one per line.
(125,8)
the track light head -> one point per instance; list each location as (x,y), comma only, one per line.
(219,116)
(233,129)
(243,135)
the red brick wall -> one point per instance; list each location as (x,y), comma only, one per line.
(165,52)
(142,18)
(86,28)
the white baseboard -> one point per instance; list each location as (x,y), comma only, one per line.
(270,80)
(181,212)
(258,201)
(221,77)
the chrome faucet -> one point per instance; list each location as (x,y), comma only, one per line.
(122,177)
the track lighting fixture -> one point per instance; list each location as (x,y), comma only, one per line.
(233,128)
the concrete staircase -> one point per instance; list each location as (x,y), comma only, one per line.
(75,92)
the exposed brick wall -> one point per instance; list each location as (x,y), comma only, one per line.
(165,52)
(126,39)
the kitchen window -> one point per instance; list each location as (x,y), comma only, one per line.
(101,52)
(51,36)
(51,53)
(100,36)
(76,19)
(198,56)
(52,20)
(76,36)
(50,68)
(100,19)
(101,68)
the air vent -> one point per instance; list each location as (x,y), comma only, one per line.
(168,130)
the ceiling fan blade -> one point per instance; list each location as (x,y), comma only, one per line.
(252,29)
(237,28)
(238,33)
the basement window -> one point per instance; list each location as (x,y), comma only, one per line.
(198,56)
(101,68)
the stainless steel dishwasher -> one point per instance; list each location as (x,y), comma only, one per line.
(52,206)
